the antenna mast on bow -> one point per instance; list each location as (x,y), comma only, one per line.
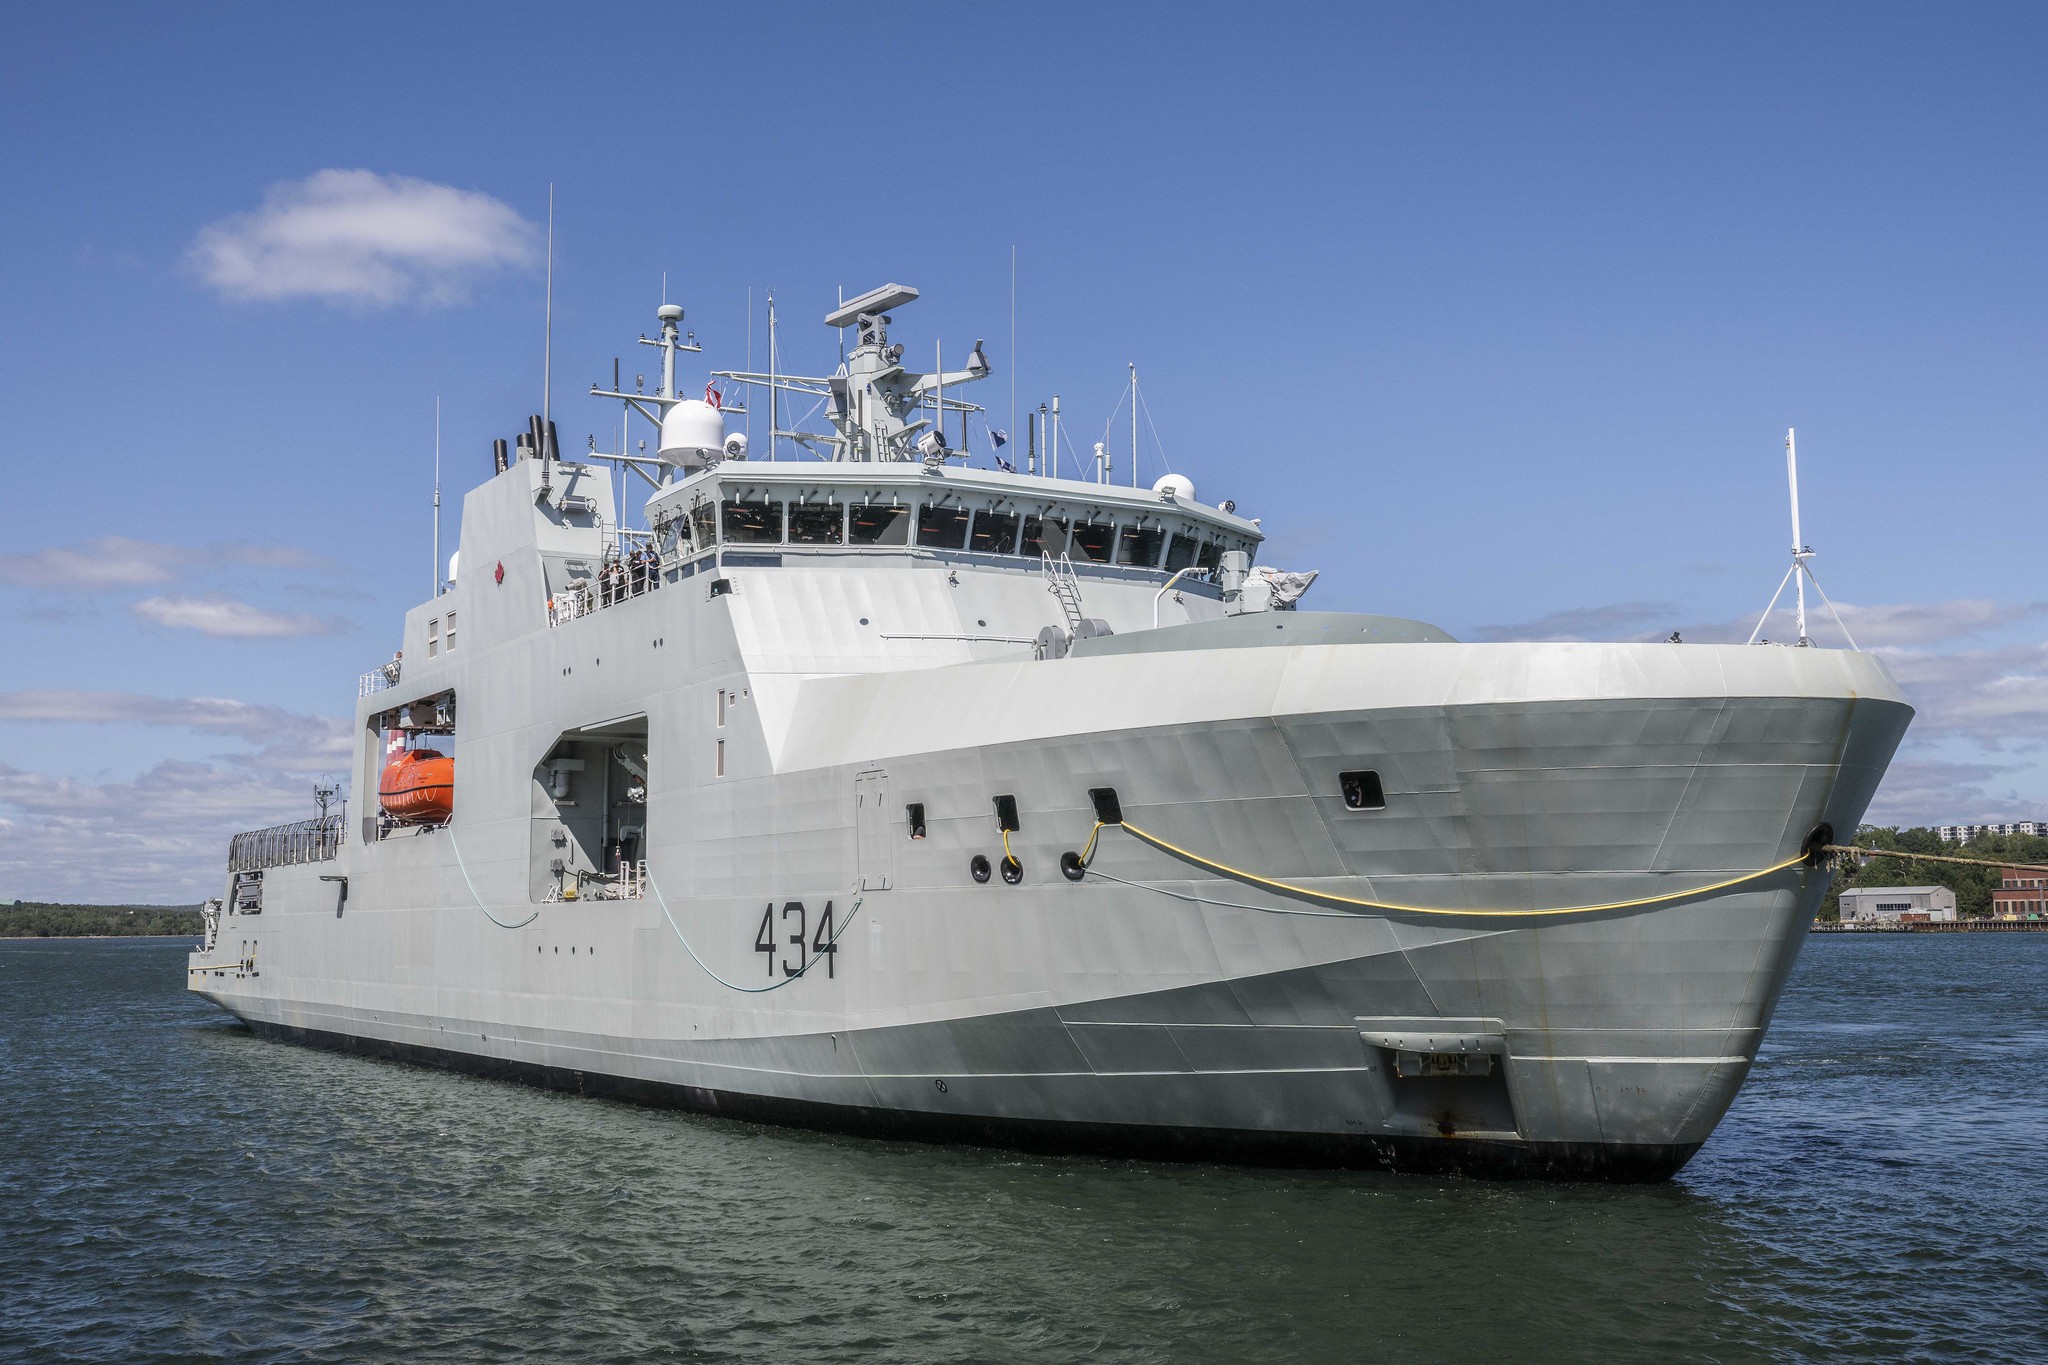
(1801,572)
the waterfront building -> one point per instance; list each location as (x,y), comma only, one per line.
(1962,834)
(2021,893)
(1901,904)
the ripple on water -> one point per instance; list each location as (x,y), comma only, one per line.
(179,1189)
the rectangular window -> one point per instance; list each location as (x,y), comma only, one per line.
(1092,542)
(995,533)
(942,528)
(1139,545)
(751,523)
(433,637)
(915,812)
(718,761)
(817,524)
(1362,790)
(1006,814)
(704,526)
(1044,536)
(1180,553)
(1210,557)
(450,635)
(877,523)
(721,708)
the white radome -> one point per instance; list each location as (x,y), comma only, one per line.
(692,433)
(1177,486)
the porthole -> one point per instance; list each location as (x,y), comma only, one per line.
(978,868)
(1362,790)
(1013,871)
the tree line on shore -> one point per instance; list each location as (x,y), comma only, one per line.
(47,919)
(1973,885)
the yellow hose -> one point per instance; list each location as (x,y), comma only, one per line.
(1328,897)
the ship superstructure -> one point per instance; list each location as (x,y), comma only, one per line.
(867,790)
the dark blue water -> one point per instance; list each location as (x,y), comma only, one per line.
(173,1189)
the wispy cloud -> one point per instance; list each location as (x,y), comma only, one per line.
(1996,697)
(1888,625)
(1616,620)
(115,562)
(364,240)
(1919,791)
(270,726)
(227,618)
(161,837)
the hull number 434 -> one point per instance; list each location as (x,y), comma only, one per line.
(791,930)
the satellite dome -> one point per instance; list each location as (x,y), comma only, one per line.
(1177,486)
(692,434)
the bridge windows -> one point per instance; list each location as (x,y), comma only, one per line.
(1139,545)
(1043,536)
(878,523)
(1092,542)
(817,524)
(995,533)
(942,528)
(703,525)
(751,523)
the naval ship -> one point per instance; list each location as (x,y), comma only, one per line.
(869,791)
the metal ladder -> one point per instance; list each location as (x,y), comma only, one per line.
(1061,583)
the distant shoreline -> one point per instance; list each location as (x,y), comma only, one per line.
(72,938)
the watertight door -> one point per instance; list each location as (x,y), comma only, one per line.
(874,849)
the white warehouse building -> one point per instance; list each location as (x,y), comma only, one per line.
(1872,904)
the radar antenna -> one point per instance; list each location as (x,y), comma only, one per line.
(1801,572)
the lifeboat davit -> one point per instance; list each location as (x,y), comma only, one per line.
(418,787)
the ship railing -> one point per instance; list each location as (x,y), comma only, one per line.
(377,679)
(303,841)
(618,581)
(629,883)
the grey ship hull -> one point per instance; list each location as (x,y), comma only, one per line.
(1154,1006)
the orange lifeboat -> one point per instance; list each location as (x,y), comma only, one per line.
(418,787)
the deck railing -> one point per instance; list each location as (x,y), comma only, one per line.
(303,841)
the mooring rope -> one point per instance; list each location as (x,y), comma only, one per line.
(464,868)
(1332,898)
(1861,851)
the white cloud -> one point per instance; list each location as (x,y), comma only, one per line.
(362,239)
(225,618)
(161,838)
(291,741)
(1617,620)
(1997,697)
(114,562)
(1919,791)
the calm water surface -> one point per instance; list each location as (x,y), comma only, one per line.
(174,1189)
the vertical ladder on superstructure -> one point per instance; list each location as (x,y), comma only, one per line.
(1061,583)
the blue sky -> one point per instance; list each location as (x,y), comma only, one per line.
(1495,314)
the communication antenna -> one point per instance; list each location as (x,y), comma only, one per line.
(437,496)
(547,354)
(1801,572)
(324,792)
(1134,424)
